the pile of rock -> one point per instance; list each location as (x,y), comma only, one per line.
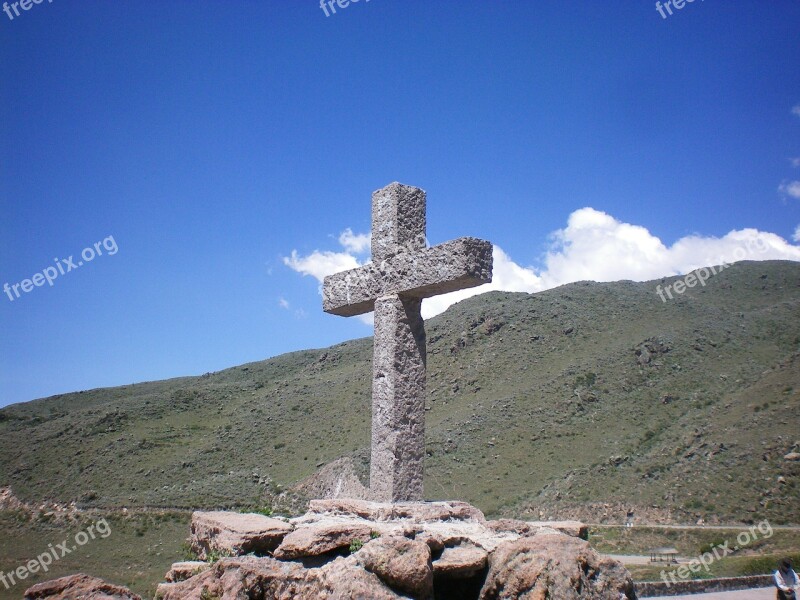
(360,549)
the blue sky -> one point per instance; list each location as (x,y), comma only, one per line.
(224,147)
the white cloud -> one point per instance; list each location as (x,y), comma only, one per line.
(355,243)
(796,110)
(796,236)
(795,161)
(283,303)
(319,264)
(593,246)
(790,188)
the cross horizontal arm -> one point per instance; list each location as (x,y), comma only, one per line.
(455,265)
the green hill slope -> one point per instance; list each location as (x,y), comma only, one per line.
(585,400)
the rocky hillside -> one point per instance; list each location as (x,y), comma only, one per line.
(582,401)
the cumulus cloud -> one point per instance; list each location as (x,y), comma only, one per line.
(790,188)
(319,264)
(796,110)
(283,303)
(796,236)
(593,246)
(355,243)
(795,162)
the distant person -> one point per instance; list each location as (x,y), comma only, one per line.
(786,581)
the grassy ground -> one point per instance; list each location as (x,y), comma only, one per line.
(136,553)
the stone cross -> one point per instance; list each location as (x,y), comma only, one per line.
(402,272)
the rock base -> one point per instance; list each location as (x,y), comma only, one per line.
(358,549)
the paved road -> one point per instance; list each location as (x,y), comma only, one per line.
(759,594)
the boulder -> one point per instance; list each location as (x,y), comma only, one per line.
(316,540)
(181,571)
(553,565)
(233,534)
(80,586)
(434,541)
(401,563)
(460,562)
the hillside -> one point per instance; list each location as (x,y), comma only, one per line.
(583,400)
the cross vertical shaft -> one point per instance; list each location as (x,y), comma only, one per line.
(398,400)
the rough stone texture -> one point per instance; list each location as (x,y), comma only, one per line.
(316,540)
(398,220)
(417,512)
(231,534)
(398,400)
(402,564)
(233,578)
(264,578)
(523,528)
(424,549)
(460,561)
(80,586)
(402,272)
(181,571)
(455,265)
(554,565)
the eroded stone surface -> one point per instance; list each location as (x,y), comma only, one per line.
(181,571)
(316,540)
(398,400)
(403,564)
(554,565)
(417,512)
(573,528)
(264,577)
(80,586)
(460,562)
(455,265)
(231,534)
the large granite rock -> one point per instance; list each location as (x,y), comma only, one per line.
(319,539)
(232,534)
(403,564)
(80,586)
(554,565)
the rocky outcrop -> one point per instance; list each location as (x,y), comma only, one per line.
(360,549)
(233,534)
(79,586)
